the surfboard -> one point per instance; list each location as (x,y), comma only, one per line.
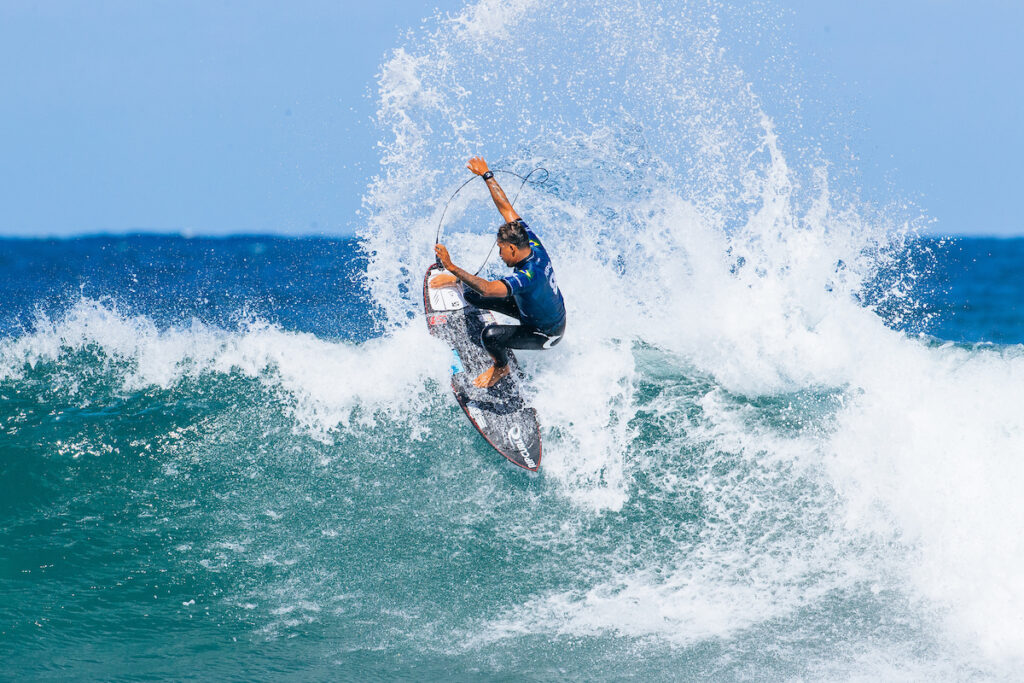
(500,413)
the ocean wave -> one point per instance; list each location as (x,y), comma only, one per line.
(742,444)
(328,382)
(676,222)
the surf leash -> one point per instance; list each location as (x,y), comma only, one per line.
(524,179)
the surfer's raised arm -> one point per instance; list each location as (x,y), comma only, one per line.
(479,166)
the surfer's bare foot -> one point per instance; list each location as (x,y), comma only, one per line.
(491,376)
(443,280)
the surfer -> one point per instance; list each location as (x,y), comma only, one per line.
(529,294)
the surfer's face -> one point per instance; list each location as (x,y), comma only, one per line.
(510,253)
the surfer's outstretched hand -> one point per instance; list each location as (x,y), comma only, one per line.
(477,165)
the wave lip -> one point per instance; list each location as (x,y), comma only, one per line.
(327,382)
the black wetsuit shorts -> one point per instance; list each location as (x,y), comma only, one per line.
(497,339)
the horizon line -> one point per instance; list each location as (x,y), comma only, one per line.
(256,234)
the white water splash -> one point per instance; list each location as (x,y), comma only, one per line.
(674,220)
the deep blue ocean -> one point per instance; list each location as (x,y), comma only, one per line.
(194,486)
(783,436)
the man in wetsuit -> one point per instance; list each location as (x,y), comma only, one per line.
(529,295)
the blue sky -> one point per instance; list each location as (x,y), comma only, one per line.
(226,117)
(934,100)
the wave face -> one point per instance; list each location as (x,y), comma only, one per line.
(755,467)
(731,352)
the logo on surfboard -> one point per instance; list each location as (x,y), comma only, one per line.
(515,435)
(476,414)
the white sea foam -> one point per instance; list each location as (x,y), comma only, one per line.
(675,221)
(326,381)
(675,224)
(933,446)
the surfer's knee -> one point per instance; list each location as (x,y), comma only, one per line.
(494,337)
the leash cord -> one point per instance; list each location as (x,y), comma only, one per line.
(525,179)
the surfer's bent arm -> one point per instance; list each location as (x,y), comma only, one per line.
(479,166)
(488,288)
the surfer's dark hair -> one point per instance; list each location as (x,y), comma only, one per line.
(513,233)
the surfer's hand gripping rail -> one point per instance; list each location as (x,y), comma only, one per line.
(490,288)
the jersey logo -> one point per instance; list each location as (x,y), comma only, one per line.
(551,341)
(551,279)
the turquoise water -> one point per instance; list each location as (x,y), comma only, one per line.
(179,500)
(782,435)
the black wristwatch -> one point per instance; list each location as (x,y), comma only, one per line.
(487,176)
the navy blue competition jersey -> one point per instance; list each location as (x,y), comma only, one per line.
(532,283)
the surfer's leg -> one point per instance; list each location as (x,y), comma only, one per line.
(506,305)
(498,339)
(530,338)
(495,339)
